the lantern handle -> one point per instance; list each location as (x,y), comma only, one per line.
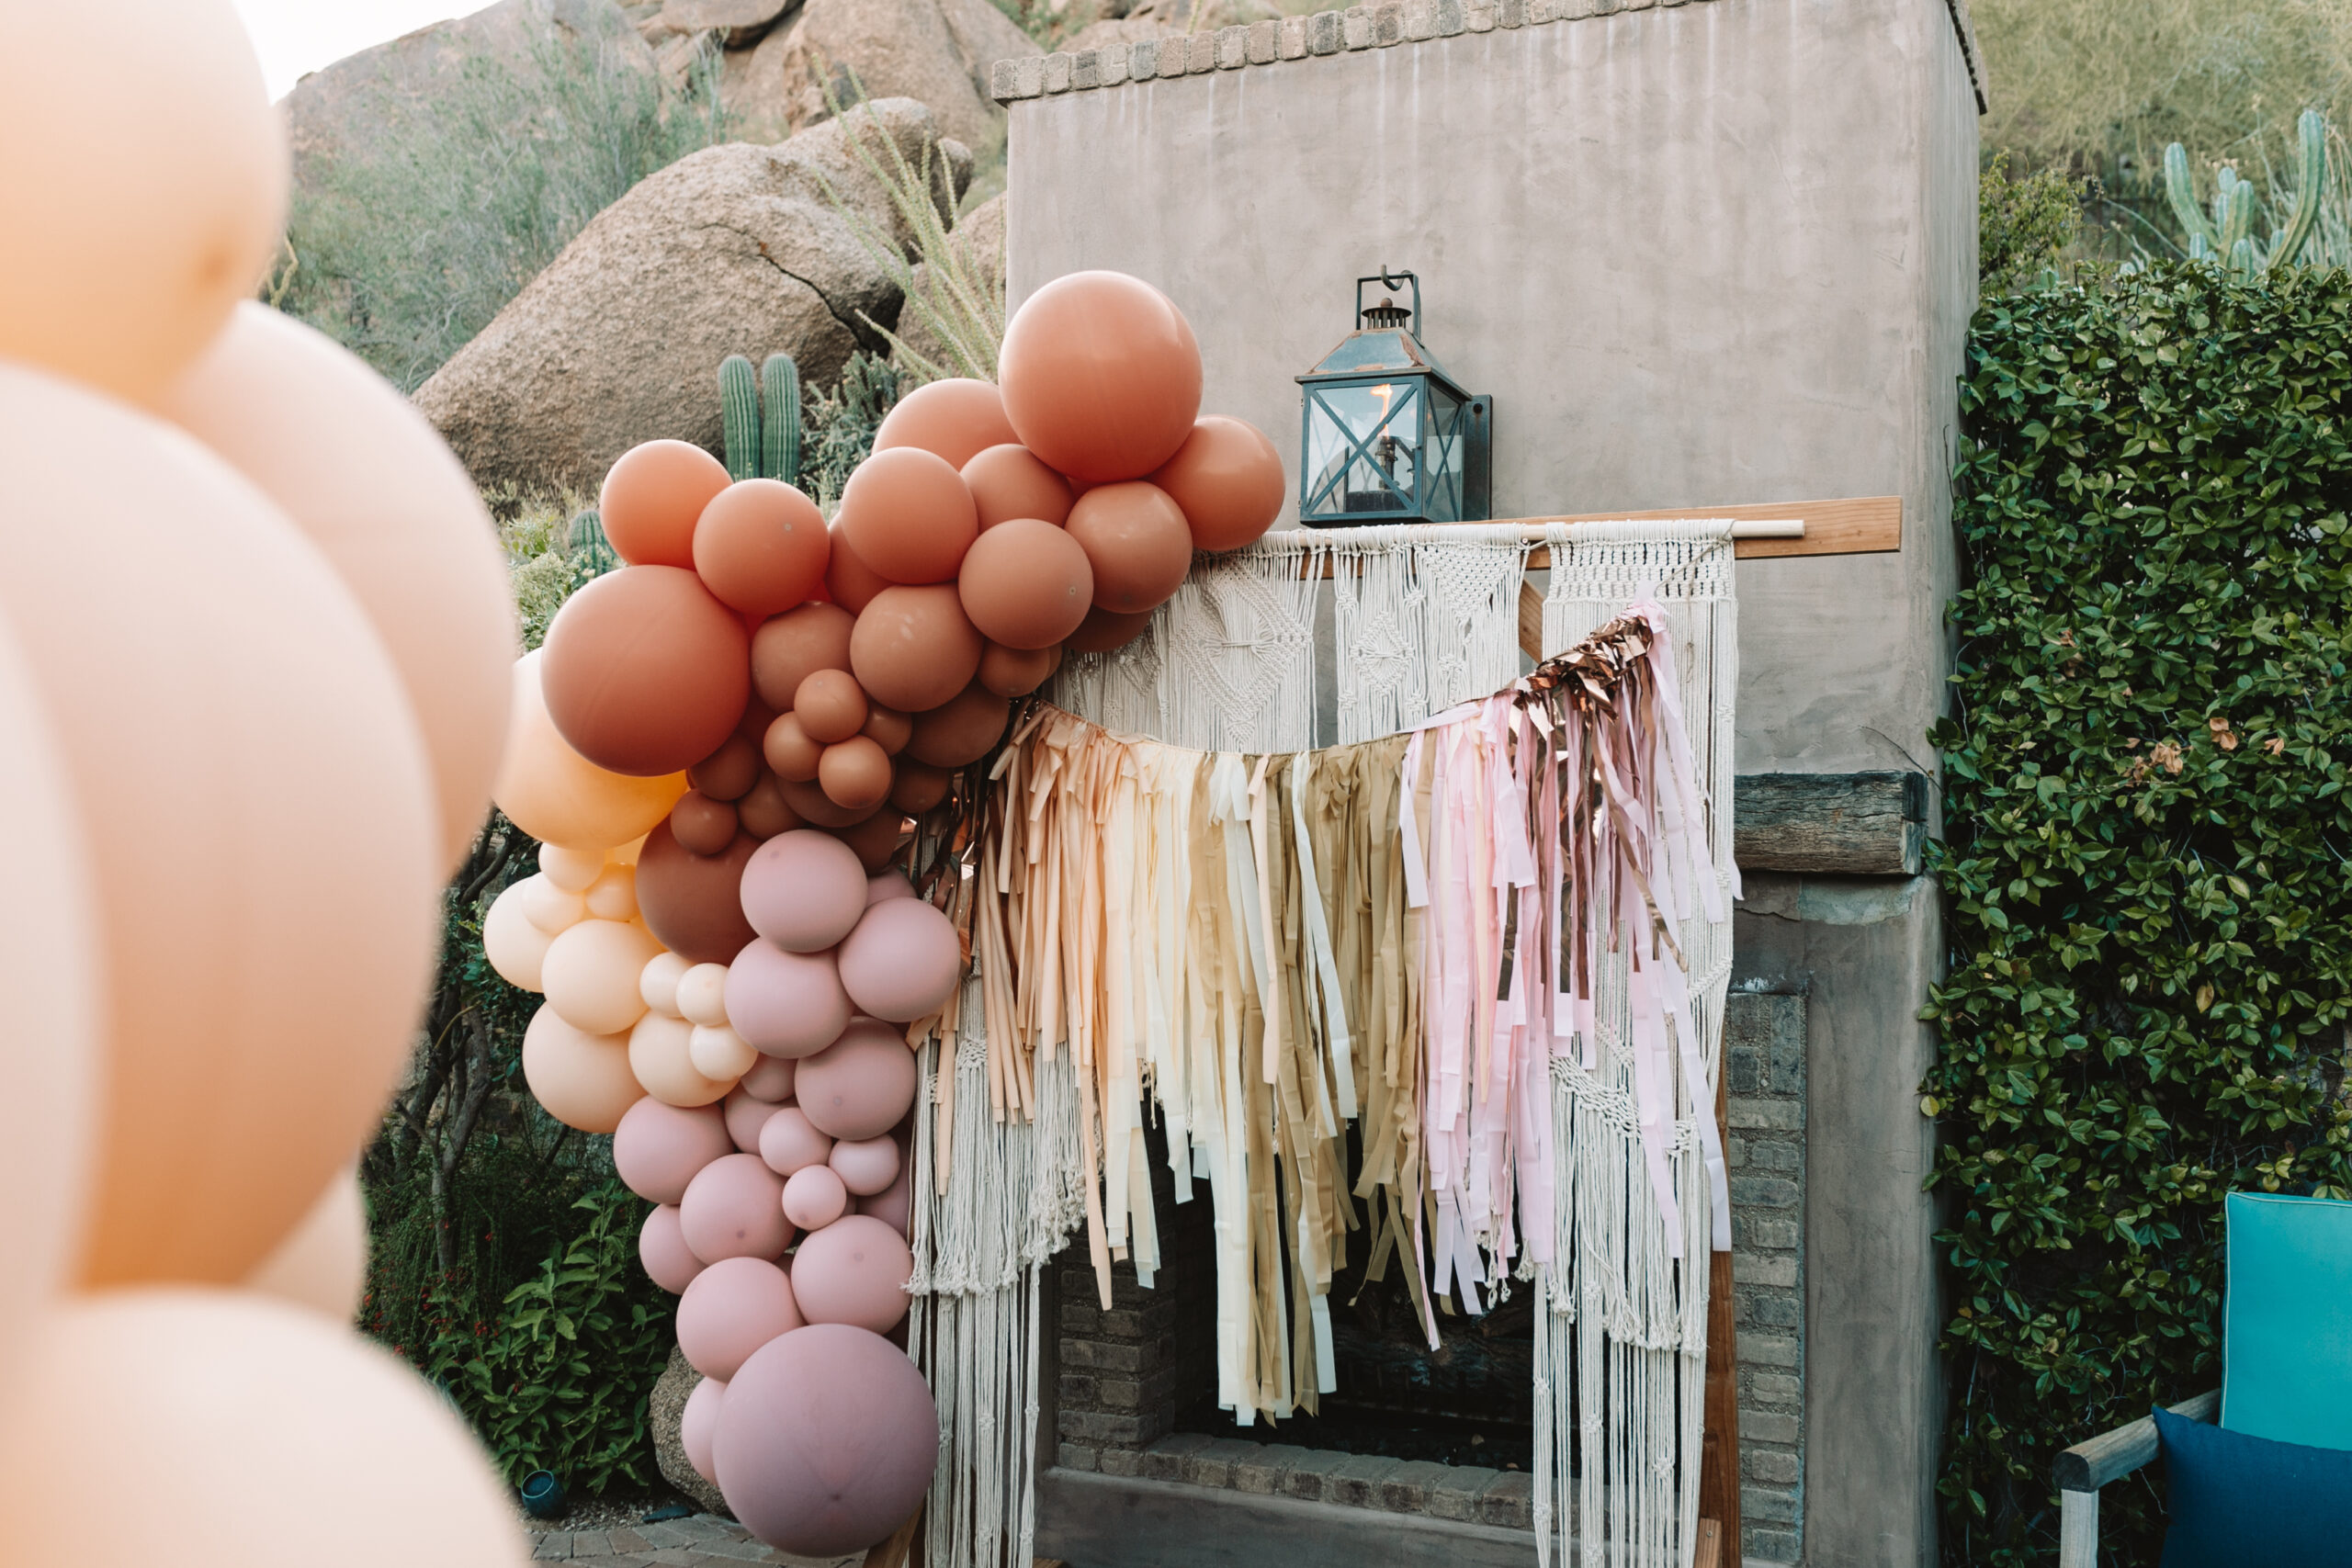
(1389,281)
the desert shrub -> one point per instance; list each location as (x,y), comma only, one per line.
(2023,226)
(837,425)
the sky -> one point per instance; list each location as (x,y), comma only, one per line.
(294,36)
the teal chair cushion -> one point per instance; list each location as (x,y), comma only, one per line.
(2287,1320)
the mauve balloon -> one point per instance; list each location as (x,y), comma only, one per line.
(866,1166)
(659,1148)
(826,1441)
(862,1083)
(746,1113)
(662,1247)
(804,890)
(814,1196)
(735,1208)
(853,1272)
(891,883)
(900,963)
(771,1079)
(788,1143)
(787,1004)
(697,1422)
(732,1308)
(894,1205)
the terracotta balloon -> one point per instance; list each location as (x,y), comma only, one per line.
(794,646)
(874,840)
(855,773)
(900,964)
(698,1423)
(819,809)
(914,648)
(787,1004)
(919,787)
(894,1205)
(889,728)
(954,420)
(1026,583)
(659,1148)
(771,1079)
(613,896)
(765,813)
(646,673)
(689,901)
(962,731)
(746,1112)
(892,884)
(908,516)
(853,1272)
(658,982)
(1011,481)
(866,1166)
(826,1441)
(377,490)
(718,1053)
(850,583)
(653,496)
(1227,479)
(788,1142)
(1017,671)
(322,1262)
(703,826)
(761,546)
(560,797)
(861,1084)
(734,1208)
(732,1308)
(590,971)
(804,891)
(1137,541)
(814,1196)
(729,773)
(662,1247)
(581,1080)
(1105,630)
(660,1055)
(1101,375)
(514,947)
(791,751)
(830,706)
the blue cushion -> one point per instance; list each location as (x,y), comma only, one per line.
(2287,1320)
(2241,1502)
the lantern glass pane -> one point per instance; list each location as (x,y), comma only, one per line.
(1370,351)
(1363,447)
(1448,430)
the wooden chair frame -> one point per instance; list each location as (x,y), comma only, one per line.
(2084,1468)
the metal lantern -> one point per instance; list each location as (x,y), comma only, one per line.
(1386,436)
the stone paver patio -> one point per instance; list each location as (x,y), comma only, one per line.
(704,1540)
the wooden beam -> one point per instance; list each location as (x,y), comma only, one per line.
(2110,1456)
(1869,524)
(1719,1440)
(1830,824)
(1711,1545)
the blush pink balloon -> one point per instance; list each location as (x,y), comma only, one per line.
(804,890)
(735,1208)
(697,1423)
(891,883)
(860,1086)
(853,1272)
(789,1143)
(866,1166)
(659,1148)
(826,1441)
(746,1114)
(787,1004)
(733,1307)
(662,1247)
(902,961)
(895,1204)
(770,1079)
(814,1196)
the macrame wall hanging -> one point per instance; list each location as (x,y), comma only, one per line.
(1177,909)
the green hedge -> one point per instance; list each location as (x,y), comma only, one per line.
(2146,873)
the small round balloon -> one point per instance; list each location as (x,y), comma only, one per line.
(861,1084)
(853,1272)
(907,516)
(1137,541)
(830,705)
(791,751)
(1227,479)
(698,1423)
(900,964)
(514,947)
(953,420)
(888,728)
(1017,671)
(662,1247)
(761,547)
(652,497)
(661,1055)
(914,648)
(790,1143)
(732,1308)
(659,1148)
(703,826)
(804,891)
(771,1079)
(1011,481)
(719,1053)
(866,1166)
(702,994)
(734,1208)
(787,1004)
(1026,583)
(855,773)
(894,1205)
(747,1113)
(613,896)
(729,773)
(1101,375)
(765,813)
(574,871)
(814,1196)
(658,982)
(646,673)
(891,883)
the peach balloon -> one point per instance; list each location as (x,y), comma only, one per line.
(889,728)
(662,1247)
(747,1112)
(1137,541)
(1227,479)
(771,1079)
(765,813)
(130,243)
(1101,377)
(914,648)
(660,1053)
(322,1262)
(613,896)
(653,496)
(514,947)
(830,706)
(698,1423)
(962,731)
(919,787)
(166,610)
(585,1082)
(702,994)
(855,773)
(761,547)
(729,773)
(591,973)
(787,1004)
(850,583)
(557,795)
(574,871)
(953,420)
(688,901)
(853,1272)
(1016,671)
(814,1196)
(1011,481)
(803,891)
(1026,583)
(734,1208)
(866,1166)
(789,1142)
(789,648)
(703,826)
(717,1052)
(549,907)
(645,672)
(658,982)
(659,1148)
(1105,630)
(861,1084)
(908,516)
(819,810)
(733,1307)
(900,964)
(197,1392)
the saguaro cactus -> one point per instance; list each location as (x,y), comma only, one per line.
(738,399)
(2228,234)
(588,546)
(780,434)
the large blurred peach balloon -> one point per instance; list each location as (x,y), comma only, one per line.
(761,546)
(914,648)
(646,672)
(198,1393)
(1227,479)
(360,472)
(954,420)
(1101,375)
(582,1080)
(259,1004)
(907,514)
(128,238)
(1137,541)
(557,795)
(652,497)
(1025,583)
(322,1262)
(1011,481)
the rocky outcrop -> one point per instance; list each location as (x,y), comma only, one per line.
(978,244)
(737,249)
(1156,19)
(662,1412)
(938,51)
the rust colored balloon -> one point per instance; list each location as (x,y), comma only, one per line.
(652,498)
(888,728)
(818,810)
(729,773)
(693,904)
(855,773)
(794,646)
(875,841)
(702,826)
(763,813)
(830,705)
(1101,375)
(645,672)
(1138,541)
(919,787)
(1227,480)
(907,514)
(963,731)
(1103,630)
(1011,481)
(914,648)
(1015,671)
(951,418)
(761,546)
(1026,583)
(849,582)
(790,750)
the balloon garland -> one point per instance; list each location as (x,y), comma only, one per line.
(719,747)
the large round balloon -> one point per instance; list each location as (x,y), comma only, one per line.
(787,1004)
(1017,671)
(1137,541)
(861,1084)
(1105,630)
(661,1248)
(582,1080)
(960,731)
(591,975)
(919,787)
(734,1208)
(1011,481)
(746,1112)
(825,1441)
(360,472)
(819,809)
(804,891)
(914,648)
(698,1424)
(659,1148)
(907,514)
(793,646)
(853,1272)
(660,1055)
(1101,375)
(900,964)
(953,420)
(731,1309)
(652,498)
(1227,478)
(646,673)
(514,947)
(771,1079)
(703,826)
(1026,583)
(691,902)
(761,546)
(560,797)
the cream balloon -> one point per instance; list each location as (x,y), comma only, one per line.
(549,907)
(702,995)
(718,1053)
(515,947)
(322,1262)
(613,896)
(660,1053)
(197,1392)
(380,494)
(591,975)
(574,871)
(260,1005)
(557,795)
(658,982)
(127,243)
(587,1081)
